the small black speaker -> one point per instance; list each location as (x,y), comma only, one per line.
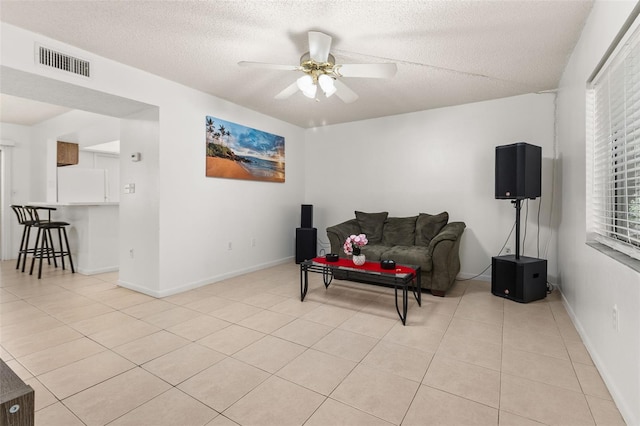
(306,216)
(518,171)
(522,280)
(306,244)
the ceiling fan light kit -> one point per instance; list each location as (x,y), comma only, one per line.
(326,84)
(320,69)
(307,86)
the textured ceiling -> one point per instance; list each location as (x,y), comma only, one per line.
(448,52)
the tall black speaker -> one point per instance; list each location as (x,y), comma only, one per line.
(518,171)
(306,244)
(306,216)
(522,279)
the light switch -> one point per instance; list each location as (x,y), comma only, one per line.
(129,188)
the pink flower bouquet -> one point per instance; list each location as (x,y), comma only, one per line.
(353,244)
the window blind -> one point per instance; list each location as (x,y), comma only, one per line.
(614,129)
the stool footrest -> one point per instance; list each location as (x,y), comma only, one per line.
(47,250)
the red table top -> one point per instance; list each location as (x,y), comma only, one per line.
(368,266)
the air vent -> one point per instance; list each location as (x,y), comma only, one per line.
(61,61)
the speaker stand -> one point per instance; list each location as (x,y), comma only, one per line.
(518,205)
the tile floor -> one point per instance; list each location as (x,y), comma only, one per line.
(246,351)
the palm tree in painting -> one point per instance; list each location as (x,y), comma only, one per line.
(210,126)
(216,146)
(225,136)
(223,132)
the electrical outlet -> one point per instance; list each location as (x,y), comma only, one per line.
(131,253)
(229,246)
(253,242)
(507,250)
(615,318)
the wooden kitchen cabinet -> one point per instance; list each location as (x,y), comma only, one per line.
(67,154)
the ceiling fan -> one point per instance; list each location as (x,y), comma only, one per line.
(320,69)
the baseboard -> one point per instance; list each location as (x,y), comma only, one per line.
(205,281)
(625,411)
(463,276)
(97,271)
(138,289)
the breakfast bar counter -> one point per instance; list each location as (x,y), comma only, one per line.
(93,233)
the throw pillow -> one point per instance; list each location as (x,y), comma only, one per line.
(428,226)
(399,231)
(371,225)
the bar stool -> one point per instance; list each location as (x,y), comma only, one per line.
(27,224)
(45,239)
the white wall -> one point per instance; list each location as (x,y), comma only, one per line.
(16,182)
(179,222)
(200,216)
(591,282)
(21,153)
(139,211)
(433,161)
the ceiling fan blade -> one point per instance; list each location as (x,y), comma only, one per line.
(387,70)
(319,45)
(270,66)
(288,91)
(343,92)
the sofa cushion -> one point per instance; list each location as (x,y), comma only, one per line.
(428,226)
(410,255)
(399,231)
(373,252)
(371,225)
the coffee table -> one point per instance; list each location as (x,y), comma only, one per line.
(370,273)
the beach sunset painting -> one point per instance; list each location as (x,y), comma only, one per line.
(239,152)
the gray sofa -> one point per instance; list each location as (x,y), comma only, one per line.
(425,240)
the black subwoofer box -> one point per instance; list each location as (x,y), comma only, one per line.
(522,280)
(306,244)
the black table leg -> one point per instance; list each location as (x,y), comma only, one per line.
(417,281)
(405,300)
(304,280)
(327,276)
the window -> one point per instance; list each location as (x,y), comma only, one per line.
(613,131)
